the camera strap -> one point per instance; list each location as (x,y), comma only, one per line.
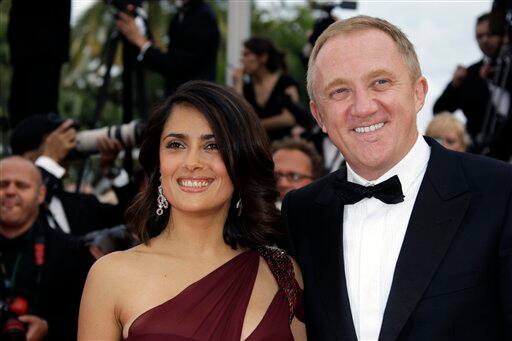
(38,242)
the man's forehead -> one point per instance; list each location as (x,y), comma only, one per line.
(19,169)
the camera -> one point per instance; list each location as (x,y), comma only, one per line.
(11,328)
(129,134)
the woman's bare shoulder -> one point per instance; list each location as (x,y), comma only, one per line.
(119,264)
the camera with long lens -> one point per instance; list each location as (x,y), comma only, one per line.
(11,328)
(129,134)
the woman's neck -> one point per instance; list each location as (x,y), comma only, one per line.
(195,234)
(263,75)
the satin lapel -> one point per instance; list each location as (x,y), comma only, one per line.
(441,204)
(329,264)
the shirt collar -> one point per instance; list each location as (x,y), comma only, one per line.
(408,169)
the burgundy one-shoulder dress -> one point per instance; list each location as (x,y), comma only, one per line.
(213,308)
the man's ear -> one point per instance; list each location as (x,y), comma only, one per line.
(316,114)
(41,194)
(420,93)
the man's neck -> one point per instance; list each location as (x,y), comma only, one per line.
(11,232)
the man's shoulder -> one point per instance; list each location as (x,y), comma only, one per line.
(486,169)
(481,172)
(475,67)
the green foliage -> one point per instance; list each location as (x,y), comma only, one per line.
(82,75)
(288,28)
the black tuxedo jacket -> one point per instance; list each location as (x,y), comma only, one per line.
(453,277)
(84,212)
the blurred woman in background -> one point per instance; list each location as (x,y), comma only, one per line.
(273,94)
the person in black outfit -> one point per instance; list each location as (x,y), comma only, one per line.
(37,138)
(273,94)
(50,281)
(470,87)
(194,40)
(38,37)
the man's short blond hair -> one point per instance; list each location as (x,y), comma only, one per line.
(360,23)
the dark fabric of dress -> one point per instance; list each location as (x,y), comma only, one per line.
(274,104)
(214,307)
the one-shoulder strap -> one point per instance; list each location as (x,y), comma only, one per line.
(282,268)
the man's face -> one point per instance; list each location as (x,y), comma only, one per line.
(366,101)
(489,44)
(21,193)
(293,170)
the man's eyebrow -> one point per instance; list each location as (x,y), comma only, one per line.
(335,82)
(379,73)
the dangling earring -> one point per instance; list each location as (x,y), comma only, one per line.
(239,206)
(161,202)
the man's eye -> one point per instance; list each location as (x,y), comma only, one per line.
(339,92)
(174,145)
(381,82)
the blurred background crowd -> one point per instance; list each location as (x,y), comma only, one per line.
(73,102)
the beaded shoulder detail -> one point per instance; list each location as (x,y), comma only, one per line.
(282,268)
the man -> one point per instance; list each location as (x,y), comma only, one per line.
(39,266)
(417,244)
(194,40)
(470,90)
(38,36)
(38,139)
(296,164)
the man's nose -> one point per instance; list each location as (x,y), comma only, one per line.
(364,104)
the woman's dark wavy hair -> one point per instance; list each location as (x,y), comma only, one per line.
(245,149)
(260,46)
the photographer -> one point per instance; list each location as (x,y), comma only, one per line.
(38,37)
(194,40)
(48,144)
(40,267)
(471,88)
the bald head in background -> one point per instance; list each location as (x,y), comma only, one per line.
(21,193)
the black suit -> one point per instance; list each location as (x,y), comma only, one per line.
(38,37)
(194,39)
(56,297)
(84,212)
(453,277)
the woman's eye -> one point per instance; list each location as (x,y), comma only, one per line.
(212,146)
(174,145)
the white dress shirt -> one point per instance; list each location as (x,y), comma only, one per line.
(373,233)
(55,206)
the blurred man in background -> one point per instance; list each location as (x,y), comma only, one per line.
(471,88)
(42,270)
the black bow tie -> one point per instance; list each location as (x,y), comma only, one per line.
(389,191)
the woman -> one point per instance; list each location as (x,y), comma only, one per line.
(273,94)
(448,131)
(208,207)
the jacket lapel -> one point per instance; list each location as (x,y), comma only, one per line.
(329,263)
(442,202)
